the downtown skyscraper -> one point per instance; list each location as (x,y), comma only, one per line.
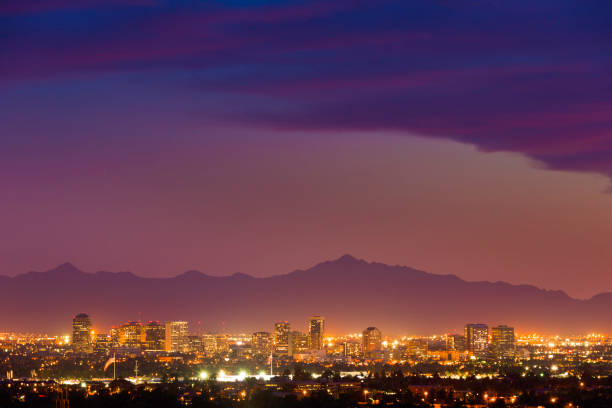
(316,330)
(371,342)
(177,333)
(503,343)
(281,337)
(81,334)
(477,339)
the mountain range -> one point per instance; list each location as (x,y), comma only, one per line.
(351,293)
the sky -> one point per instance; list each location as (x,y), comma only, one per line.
(467,137)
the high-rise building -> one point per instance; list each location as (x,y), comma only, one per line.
(477,339)
(352,348)
(455,342)
(195,344)
(502,341)
(81,334)
(298,342)
(102,343)
(316,330)
(114,334)
(209,343)
(222,343)
(371,342)
(281,337)
(132,335)
(155,336)
(177,337)
(417,347)
(261,343)
(214,344)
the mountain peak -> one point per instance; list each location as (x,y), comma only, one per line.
(66,267)
(348,258)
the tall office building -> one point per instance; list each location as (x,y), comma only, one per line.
(155,336)
(132,335)
(371,342)
(503,341)
(102,343)
(214,344)
(417,347)
(477,339)
(261,343)
(222,343)
(352,348)
(177,340)
(209,343)
(81,334)
(114,334)
(298,342)
(316,330)
(455,342)
(281,337)
(195,344)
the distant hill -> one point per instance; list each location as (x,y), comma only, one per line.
(352,294)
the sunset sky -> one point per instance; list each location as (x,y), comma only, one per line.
(468,137)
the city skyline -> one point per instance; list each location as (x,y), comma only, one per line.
(305,203)
(479,341)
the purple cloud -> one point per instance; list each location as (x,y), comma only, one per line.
(521,77)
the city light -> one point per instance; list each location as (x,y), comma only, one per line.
(476,353)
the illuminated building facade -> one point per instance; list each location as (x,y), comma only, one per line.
(298,342)
(261,342)
(455,342)
(222,343)
(503,342)
(177,337)
(195,344)
(81,334)
(352,348)
(213,344)
(155,336)
(131,335)
(371,342)
(102,343)
(316,330)
(477,339)
(417,347)
(209,343)
(114,334)
(281,337)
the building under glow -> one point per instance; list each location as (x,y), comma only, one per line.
(281,337)
(298,342)
(455,342)
(371,342)
(316,331)
(261,342)
(177,340)
(477,339)
(155,336)
(102,343)
(132,335)
(81,334)
(503,343)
